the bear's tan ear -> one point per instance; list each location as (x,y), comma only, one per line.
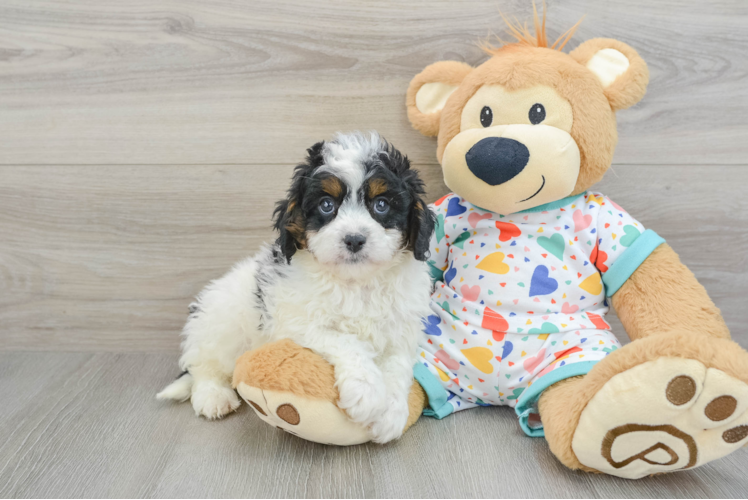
(428,93)
(620,69)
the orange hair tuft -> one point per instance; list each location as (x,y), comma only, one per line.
(521,33)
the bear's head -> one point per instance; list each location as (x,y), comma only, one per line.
(532,124)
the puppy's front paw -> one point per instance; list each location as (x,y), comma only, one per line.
(362,397)
(213,399)
(389,424)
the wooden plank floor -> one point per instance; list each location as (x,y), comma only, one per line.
(86,424)
(142,146)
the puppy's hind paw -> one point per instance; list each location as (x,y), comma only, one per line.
(214,400)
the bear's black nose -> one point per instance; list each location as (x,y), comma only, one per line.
(495,160)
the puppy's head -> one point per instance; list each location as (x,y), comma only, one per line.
(354,204)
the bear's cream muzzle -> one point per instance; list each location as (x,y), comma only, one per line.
(510,168)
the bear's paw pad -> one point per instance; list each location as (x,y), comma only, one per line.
(310,419)
(661,416)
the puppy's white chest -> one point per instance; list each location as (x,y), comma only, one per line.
(352,311)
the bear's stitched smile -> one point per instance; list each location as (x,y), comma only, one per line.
(536,192)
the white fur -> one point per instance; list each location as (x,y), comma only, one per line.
(366,327)
(361,312)
(179,390)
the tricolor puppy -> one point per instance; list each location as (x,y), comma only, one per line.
(346,278)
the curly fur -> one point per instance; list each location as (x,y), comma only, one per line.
(360,309)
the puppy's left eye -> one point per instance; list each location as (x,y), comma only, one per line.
(326,206)
(381,206)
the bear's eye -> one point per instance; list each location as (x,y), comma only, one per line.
(537,113)
(486,116)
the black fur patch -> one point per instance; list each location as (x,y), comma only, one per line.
(388,175)
(289,219)
(271,267)
(404,191)
(316,190)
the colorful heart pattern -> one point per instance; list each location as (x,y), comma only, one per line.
(532,362)
(446,360)
(470,293)
(454,207)
(494,263)
(630,236)
(581,221)
(541,283)
(521,294)
(555,245)
(480,357)
(495,322)
(474,218)
(507,231)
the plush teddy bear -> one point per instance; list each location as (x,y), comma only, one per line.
(526,262)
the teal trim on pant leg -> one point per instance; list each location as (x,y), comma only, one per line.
(528,401)
(438,395)
(630,260)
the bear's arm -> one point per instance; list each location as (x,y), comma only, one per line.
(663,295)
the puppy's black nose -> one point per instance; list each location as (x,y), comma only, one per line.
(495,160)
(355,242)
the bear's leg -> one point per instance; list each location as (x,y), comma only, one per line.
(662,403)
(293,388)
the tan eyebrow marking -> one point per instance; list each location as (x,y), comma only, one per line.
(332,186)
(377,187)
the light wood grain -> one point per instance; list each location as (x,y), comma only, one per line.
(142,146)
(109,257)
(216,82)
(87,425)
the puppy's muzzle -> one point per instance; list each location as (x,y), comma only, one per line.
(496,160)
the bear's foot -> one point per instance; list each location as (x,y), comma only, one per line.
(311,419)
(663,403)
(293,388)
(660,416)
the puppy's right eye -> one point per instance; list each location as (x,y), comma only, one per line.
(486,117)
(327,206)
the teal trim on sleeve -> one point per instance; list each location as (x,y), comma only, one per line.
(553,205)
(527,403)
(436,273)
(438,405)
(630,260)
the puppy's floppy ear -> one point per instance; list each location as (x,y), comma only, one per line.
(288,217)
(619,68)
(289,223)
(428,93)
(421,220)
